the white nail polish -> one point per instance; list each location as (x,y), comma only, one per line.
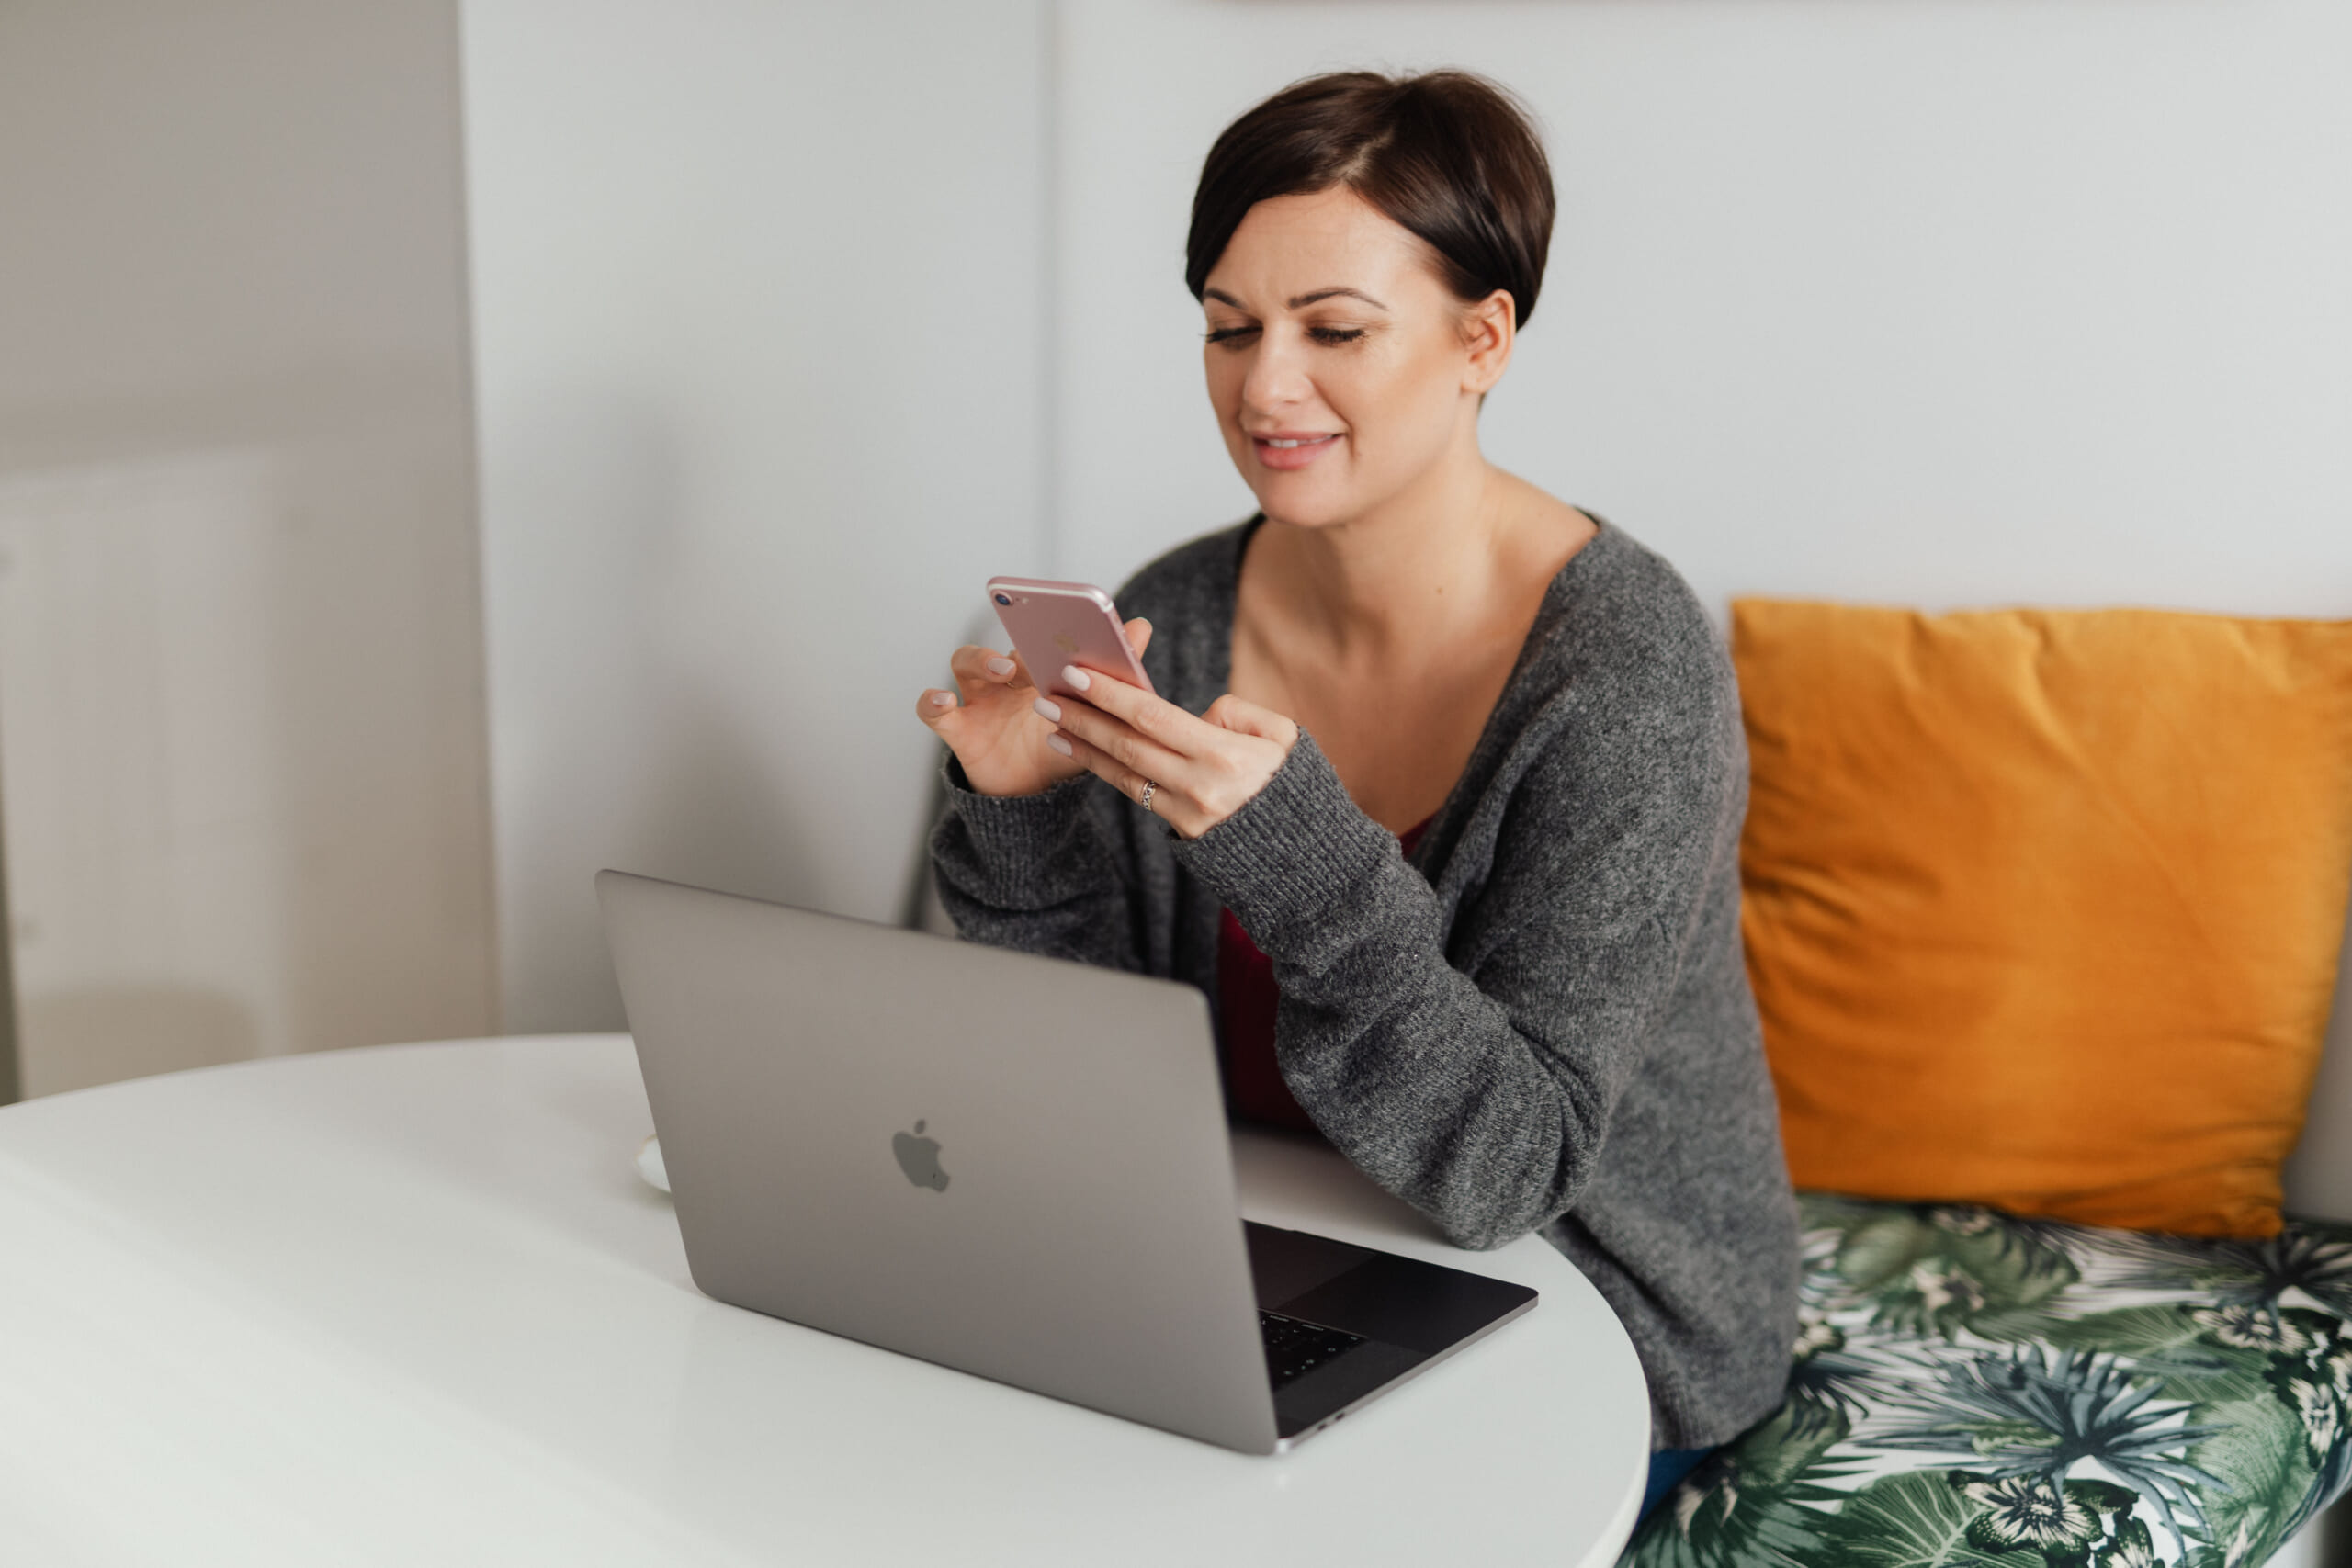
(999,666)
(1050,712)
(943,699)
(1077,679)
(1058,744)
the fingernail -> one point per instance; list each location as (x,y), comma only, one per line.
(1058,744)
(943,699)
(1077,679)
(999,666)
(1051,712)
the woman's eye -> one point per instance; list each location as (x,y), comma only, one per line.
(1231,334)
(1335,335)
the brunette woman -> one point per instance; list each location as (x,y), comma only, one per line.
(1440,799)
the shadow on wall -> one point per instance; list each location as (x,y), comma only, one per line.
(243,759)
(711,812)
(610,746)
(375,670)
(103,1034)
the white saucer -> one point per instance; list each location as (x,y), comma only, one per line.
(650,1166)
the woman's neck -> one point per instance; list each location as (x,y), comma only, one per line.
(1392,636)
(1427,565)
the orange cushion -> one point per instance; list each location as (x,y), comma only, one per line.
(2043,908)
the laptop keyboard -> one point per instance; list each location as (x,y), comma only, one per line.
(1294,1349)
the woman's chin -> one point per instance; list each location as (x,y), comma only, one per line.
(1303,505)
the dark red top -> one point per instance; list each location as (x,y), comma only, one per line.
(1247,998)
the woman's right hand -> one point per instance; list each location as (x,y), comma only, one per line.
(994,730)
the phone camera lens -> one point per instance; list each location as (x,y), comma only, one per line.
(1004,598)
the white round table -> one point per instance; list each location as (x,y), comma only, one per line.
(413,1304)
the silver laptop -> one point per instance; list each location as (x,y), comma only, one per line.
(1010,1165)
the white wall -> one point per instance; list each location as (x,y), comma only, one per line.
(242,743)
(757,301)
(1945,303)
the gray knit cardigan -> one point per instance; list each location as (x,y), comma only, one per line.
(1540,1021)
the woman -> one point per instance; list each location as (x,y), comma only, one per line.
(1442,797)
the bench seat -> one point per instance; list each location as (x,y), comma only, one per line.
(1972,1390)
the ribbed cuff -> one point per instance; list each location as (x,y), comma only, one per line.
(1296,850)
(1016,831)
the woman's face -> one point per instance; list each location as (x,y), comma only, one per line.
(1342,371)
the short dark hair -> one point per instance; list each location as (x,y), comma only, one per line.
(1446,155)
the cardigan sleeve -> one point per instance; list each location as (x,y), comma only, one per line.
(1478,1083)
(1041,873)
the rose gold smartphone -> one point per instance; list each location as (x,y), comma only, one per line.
(1053,624)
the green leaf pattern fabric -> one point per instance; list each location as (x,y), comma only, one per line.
(1971,1390)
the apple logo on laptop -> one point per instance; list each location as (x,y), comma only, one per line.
(919,1157)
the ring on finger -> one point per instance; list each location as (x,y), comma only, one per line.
(1144,800)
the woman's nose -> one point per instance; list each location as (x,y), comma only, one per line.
(1277,376)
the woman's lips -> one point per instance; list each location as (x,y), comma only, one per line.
(1289,450)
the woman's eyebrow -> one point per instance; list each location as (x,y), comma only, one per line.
(1298,302)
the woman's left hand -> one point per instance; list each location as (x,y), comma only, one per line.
(1202,770)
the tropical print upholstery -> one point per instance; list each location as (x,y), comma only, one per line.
(1976,1391)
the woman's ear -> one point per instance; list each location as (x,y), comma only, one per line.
(1488,329)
